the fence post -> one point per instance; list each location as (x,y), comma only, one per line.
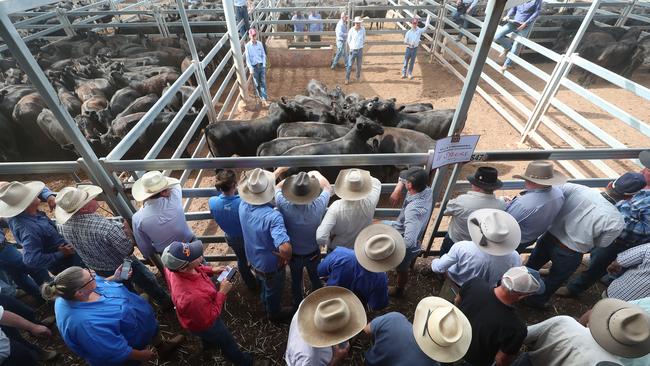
(438,33)
(620,22)
(235,47)
(160,21)
(65,22)
(443,204)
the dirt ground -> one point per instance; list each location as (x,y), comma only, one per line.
(432,83)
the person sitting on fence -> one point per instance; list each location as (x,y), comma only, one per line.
(463,9)
(495,236)
(345,218)
(241,13)
(44,249)
(161,220)
(356,39)
(298,27)
(412,42)
(341,37)
(103,245)
(14,349)
(225,211)
(484,182)
(199,304)
(536,206)
(519,20)
(102,321)
(633,267)
(256,62)
(315,26)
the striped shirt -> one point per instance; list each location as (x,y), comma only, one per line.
(414,216)
(636,214)
(633,283)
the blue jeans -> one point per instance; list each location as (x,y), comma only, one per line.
(237,246)
(354,56)
(409,60)
(447,243)
(565,263)
(297,263)
(340,53)
(272,285)
(11,262)
(599,259)
(259,78)
(219,335)
(241,12)
(505,42)
(457,17)
(146,280)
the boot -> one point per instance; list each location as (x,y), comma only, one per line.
(166,348)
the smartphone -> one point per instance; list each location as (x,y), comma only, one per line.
(126,268)
(224,274)
(231,274)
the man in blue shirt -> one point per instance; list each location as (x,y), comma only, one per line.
(267,243)
(519,20)
(302,200)
(463,8)
(341,37)
(316,26)
(256,62)
(412,41)
(298,26)
(241,12)
(225,211)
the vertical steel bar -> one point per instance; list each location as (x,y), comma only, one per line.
(620,22)
(435,44)
(65,22)
(235,47)
(443,205)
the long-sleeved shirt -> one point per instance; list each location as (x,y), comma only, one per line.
(414,217)
(315,26)
(526,12)
(225,211)
(535,210)
(462,206)
(466,261)
(412,37)
(356,38)
(160,222)
(586,220)
(633,284)
(636,214)
(39,238)
(302,221)
(264,232)
(298,27)
(255,54)
(341,31)
(345,219)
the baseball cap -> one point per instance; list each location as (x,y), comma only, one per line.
(252,32)
(178,254)
(629,183)
(415,20)
(523,280)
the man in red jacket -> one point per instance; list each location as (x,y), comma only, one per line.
(198,303)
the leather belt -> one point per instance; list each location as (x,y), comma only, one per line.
(563,246)
(310,255)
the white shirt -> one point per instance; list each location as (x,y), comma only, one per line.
(255,54)
(412,37)
(241,3)
(586,220)
(5,347)
(462,206)
(345,219)
(466,261)
(356,38)
(299,353)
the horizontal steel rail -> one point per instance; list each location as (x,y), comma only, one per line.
(45,167)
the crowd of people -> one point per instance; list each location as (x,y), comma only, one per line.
(272,225)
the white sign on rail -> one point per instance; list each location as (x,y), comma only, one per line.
(454,149)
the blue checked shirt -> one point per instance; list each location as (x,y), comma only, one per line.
(636,214)
(264,232)
(633,284)
(413,219)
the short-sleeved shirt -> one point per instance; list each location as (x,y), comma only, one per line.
(342,268)
(5,347)
(495,325)
(225,211)
(394,343)
(302,221)
(104,332)
(264,232)
(299,353)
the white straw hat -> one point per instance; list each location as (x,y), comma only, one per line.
(494,231)
(353,184)
(15,197)
(257,186)
(379,248)
(151,184)
(72,199)
(357,20)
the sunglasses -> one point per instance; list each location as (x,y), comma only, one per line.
(92,279)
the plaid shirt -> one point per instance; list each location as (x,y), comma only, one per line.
(636,213)
(633,284)
(413,219)
(102,244)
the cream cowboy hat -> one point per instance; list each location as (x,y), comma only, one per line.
(329,316)
(441,330)
(357,20)
(151,184)
(542,172)
(16,196)
(353,184)
(621,328)
(301,189)
(72,199)
(495,232)
(379,248)
(257,186)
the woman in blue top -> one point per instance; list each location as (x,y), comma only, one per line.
(101,320)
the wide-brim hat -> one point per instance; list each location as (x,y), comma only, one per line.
(644,157)
(353,184)
(257,186)
(485,177)
(150,184)
(15,197)
(542,172)
(301,188)
(72,199)
(441,330)
(357,20)
(329,316)
(494,231)
(621,328)
(379,248)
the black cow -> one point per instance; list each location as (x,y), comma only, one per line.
(8,142)
(312,129)
(417,107)
(280,145)
(354,142)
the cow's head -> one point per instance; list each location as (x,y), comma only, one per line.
(366,128)
(293,111)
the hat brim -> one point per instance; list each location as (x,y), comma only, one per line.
(385,264)
(257,198)
(357,21)
(35,188)
(343,190)
(498,249)
(318,338)
(599,328)
(140,193)
(450,354)
(644,157)
(62,216)
(558,179)
(314,191)
(496,185)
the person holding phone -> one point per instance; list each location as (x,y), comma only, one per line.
(198,302)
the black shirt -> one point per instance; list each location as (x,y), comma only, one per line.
(495,325)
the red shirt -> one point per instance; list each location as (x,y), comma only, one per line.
(198,303)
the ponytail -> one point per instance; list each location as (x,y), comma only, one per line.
(64,285)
